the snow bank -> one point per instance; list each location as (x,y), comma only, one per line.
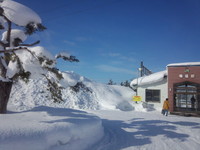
(49,128)
(112,96)
(93,96)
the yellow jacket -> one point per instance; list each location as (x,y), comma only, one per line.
(166,105)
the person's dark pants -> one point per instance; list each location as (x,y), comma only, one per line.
(165,112)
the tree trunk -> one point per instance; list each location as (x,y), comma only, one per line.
(5,90)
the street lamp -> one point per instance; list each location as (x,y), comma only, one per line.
(139,70)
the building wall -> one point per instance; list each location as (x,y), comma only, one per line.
(178,74)
(162,86)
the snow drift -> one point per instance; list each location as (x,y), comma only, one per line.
(91,95)
(45,128)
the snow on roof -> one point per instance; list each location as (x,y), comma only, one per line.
(153,78)
(184,64)
(159,76)
(18,13)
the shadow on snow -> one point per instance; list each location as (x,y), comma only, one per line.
(138,132)
(120,134)
(67,115)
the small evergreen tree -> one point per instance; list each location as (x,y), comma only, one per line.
(125,83)
(110,82)
(122,83)
(19,60)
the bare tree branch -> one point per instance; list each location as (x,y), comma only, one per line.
(2,44)
(9,30)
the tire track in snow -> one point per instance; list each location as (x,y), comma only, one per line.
(116,138)
(109,139)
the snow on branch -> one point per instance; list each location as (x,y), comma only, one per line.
(16,37)
(31,28)
(67,57)
(19,14)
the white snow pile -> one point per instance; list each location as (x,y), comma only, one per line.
(90,95)
(45,128)
(150,79)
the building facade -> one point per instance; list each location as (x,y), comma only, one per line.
(154,94)
(184,87)
(180,83)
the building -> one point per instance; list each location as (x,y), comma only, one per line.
(180,83)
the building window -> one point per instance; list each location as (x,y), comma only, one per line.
(152,95)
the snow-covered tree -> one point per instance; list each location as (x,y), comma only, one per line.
(126,83)
(19,60)
(110,82)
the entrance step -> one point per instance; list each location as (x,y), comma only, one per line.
(187,114)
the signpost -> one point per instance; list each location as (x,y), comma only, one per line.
(137,98)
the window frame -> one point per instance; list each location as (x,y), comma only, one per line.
(153,95)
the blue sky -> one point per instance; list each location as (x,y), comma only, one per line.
(111,37)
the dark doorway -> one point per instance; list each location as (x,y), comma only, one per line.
(187,97)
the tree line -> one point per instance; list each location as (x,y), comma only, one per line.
(125,83)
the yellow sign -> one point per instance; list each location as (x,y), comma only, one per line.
(137,98)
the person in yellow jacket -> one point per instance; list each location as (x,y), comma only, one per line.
(165,109)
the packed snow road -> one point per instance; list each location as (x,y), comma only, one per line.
(147,131)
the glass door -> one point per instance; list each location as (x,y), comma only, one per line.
(187,97)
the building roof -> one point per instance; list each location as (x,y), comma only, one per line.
(184,64)
(150,79)
(159,76)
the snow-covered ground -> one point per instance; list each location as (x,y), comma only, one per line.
(103,118)
(45,128)
(135,130)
